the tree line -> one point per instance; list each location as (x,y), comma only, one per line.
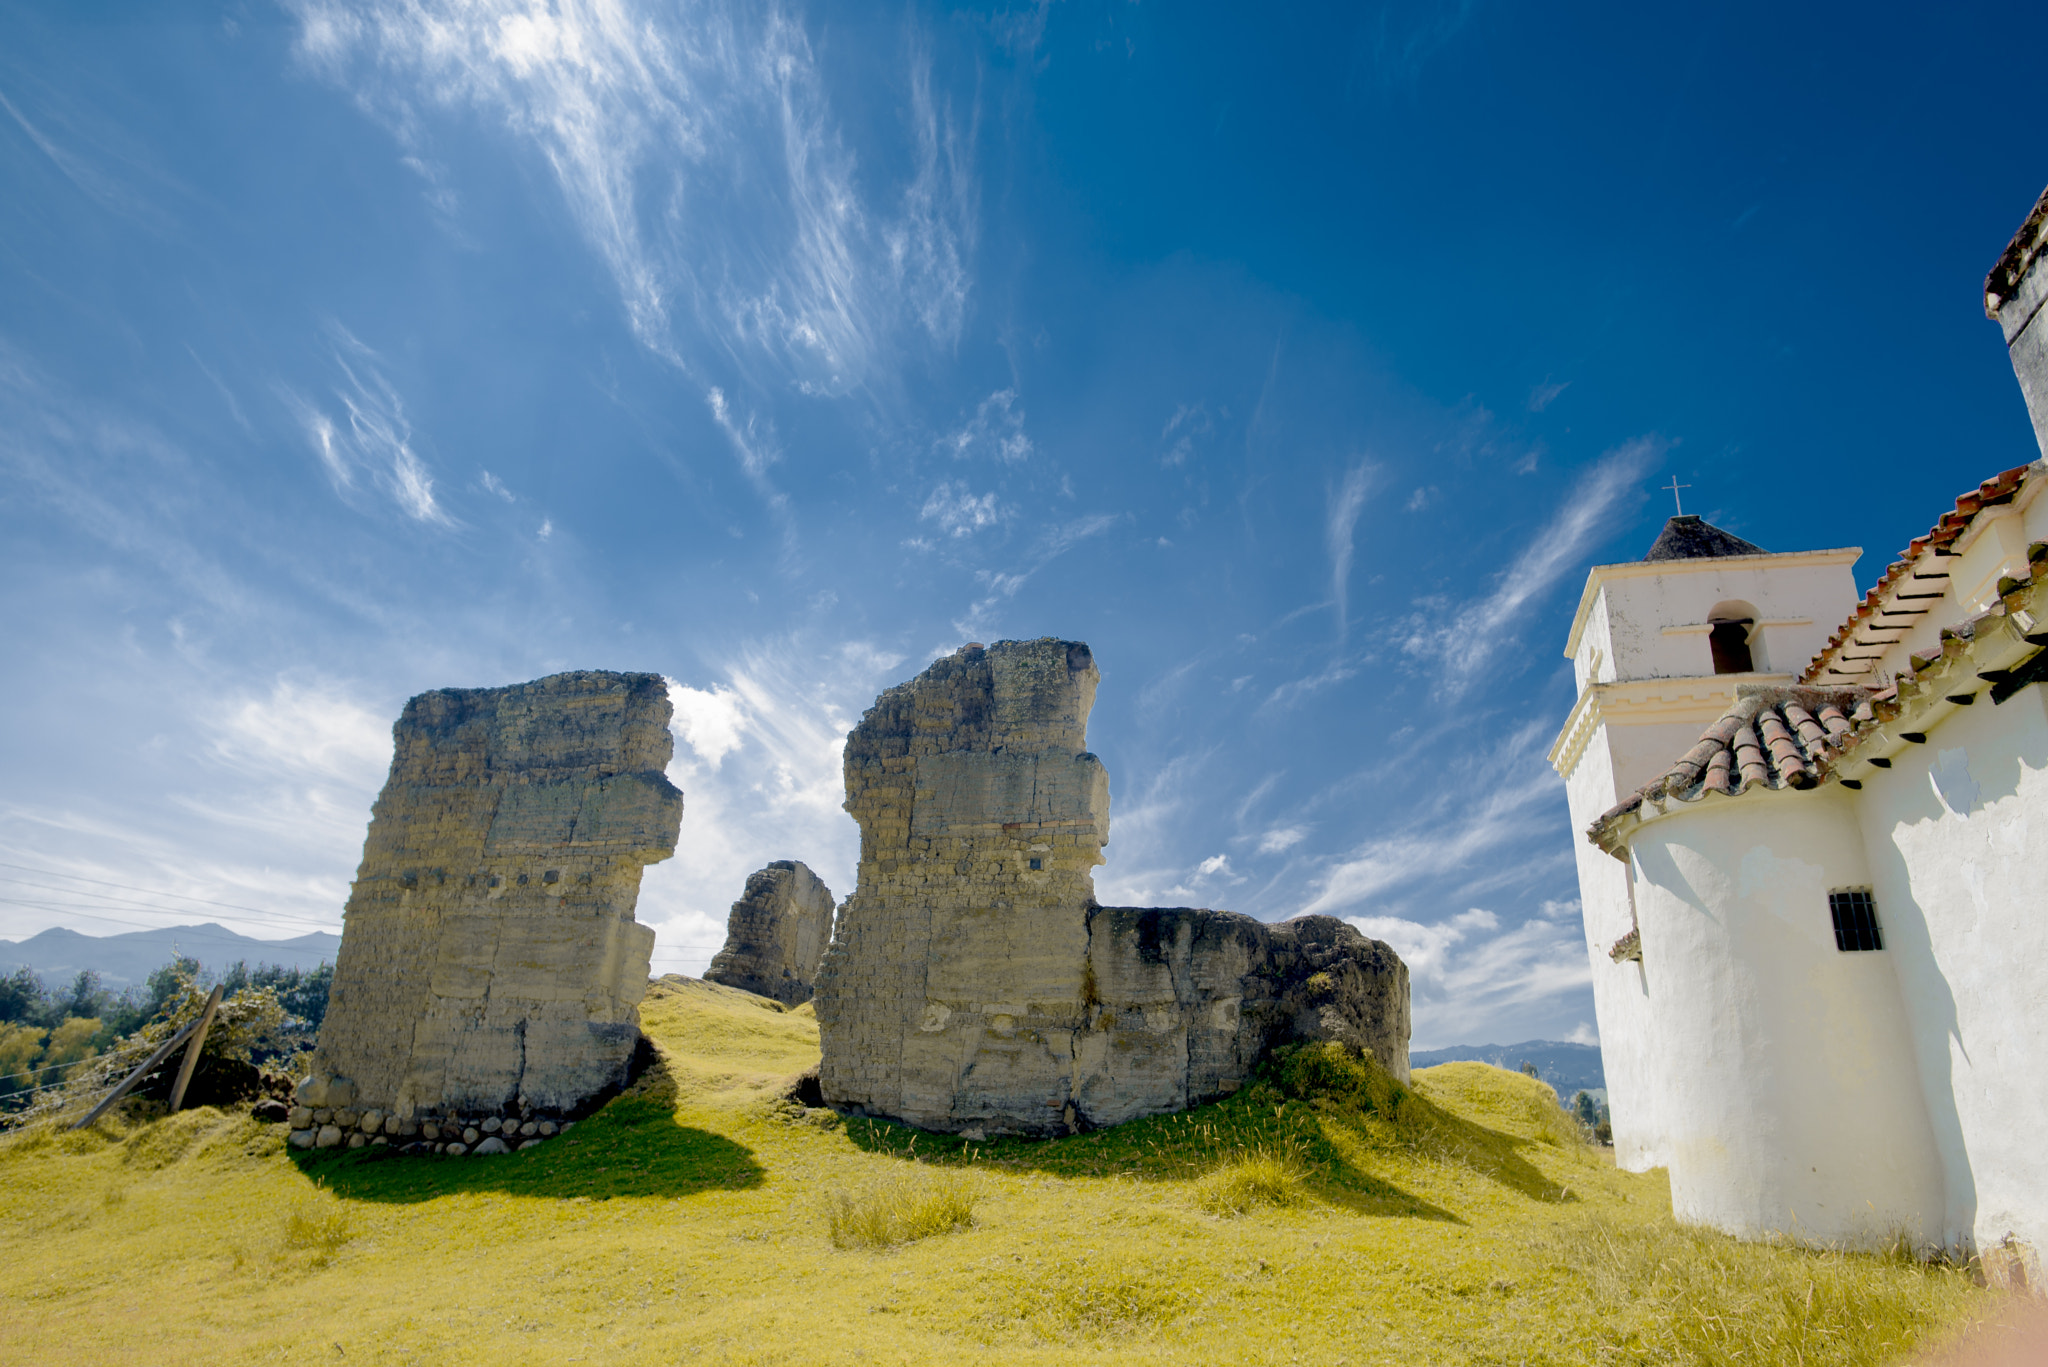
(47,1035)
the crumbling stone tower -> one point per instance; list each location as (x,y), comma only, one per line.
(973,983)
(776,934)
(489,958)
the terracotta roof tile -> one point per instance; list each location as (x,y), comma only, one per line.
(1778,737)
(1994,492)
(1774,737)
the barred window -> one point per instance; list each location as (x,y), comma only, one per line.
(1855,920)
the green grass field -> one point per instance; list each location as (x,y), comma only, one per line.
(1316,1218)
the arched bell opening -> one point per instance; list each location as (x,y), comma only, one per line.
(1732,637)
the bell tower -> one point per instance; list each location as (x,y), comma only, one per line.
(1658,646)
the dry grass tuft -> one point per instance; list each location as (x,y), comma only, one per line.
(900,1209)
(1683,1295)
(1264,1176)
(320,1229)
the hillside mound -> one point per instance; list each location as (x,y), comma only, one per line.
(1325,1214)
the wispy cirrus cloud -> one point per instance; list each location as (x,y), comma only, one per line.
(699,154)
(1004,585)
(996,430)
(368,438)
(1488,801)
(1459,638)
(99,160)
(930,244)
(1347,501)
(958,510)
(752,443)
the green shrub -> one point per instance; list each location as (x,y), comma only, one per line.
(1341,1078)
(900,1210)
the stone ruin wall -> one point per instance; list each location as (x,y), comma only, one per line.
(490,967)
(776,934)
(974,985)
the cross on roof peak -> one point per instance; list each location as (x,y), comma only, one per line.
(1674,486)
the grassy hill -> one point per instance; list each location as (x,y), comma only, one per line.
(1323,1217)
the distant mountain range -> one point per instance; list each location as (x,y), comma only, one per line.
(56,955)
(1569,1068)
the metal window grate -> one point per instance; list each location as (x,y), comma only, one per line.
(1855,920)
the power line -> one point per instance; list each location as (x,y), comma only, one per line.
(73,908)
(47,1067)
(146,906)
(129,887)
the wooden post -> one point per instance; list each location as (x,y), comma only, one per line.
(192,1049)
(150,1065)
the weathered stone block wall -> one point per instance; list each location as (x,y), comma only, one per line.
(974,984)
(2014,293)
(490,963)
(776,934)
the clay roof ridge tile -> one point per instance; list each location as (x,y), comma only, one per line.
(1950,525)
(1717,773)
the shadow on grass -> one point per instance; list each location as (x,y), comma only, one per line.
(1167,1148)
(1335,1141)
(632,1147)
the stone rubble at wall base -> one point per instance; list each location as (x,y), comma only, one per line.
(334,1128)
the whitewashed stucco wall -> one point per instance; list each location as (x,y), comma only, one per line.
(1958,836)
(1618,1000)
(1787,1078)
(1809,593)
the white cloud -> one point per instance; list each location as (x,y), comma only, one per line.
(1281,839)
(1501,797)
(928,247)
(996,429)
(309,729)
(1213,865)
(1294,690)
(959,511)
(711,721)
(493,485)
(99,159)
(698,154)
(1186,424)
(758,760)
(1054,542)
(373,438)
(258,800)
(1347,501)
(1469,978)
(1461,638)
(1543,395)
(754,444)
(1584,1033)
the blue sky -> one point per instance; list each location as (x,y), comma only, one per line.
(1300,363)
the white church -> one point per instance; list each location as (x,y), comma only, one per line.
(1815,865)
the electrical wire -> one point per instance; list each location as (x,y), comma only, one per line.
(74,908)
(127,887)
(104,899)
